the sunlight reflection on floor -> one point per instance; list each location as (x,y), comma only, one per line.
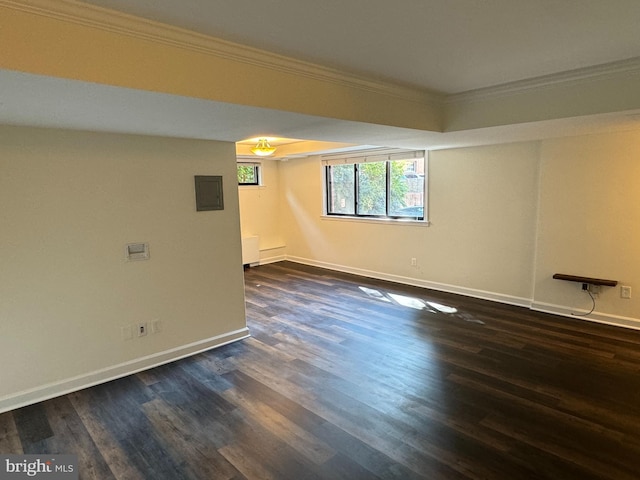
(417,303)
(410,302)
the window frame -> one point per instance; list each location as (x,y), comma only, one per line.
(257,166)
(358,158)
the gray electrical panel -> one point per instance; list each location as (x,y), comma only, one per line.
(209,193)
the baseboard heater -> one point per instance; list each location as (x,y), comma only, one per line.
(250,250)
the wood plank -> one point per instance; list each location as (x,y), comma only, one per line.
(33,426)
(199,457)
(9,438)
(109,447)
(340,382)
(70,435)
(297,438)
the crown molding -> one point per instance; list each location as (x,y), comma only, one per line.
(569,78)
(92,16)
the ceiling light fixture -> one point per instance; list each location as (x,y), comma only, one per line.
(263,149)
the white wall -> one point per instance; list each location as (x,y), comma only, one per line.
(590,223)
(260,212)
(69,202)
(482,205)
(504,219)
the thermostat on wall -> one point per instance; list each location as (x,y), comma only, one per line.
(136,251)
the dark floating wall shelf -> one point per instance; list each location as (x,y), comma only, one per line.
(589,280)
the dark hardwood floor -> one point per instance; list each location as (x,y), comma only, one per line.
(340,380)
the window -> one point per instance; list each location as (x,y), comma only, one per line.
(248,173)
(376,185)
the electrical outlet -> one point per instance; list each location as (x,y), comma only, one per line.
(414,262)
(142,329)
(625,291)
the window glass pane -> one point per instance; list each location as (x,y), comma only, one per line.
(372,188)
(341,181)
(393,189)
(247,174)
(406,197)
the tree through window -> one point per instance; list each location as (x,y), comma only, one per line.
(379,186)
(248,174)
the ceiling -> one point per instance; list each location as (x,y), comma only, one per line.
(448,46)
(443,46)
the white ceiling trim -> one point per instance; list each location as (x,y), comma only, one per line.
(568,78)
(109,20)
(117,22)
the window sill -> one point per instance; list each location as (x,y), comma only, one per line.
(378,221)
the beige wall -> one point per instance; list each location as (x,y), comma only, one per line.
(80,42)
(482,204)
(590,222)
(504,219)
(483,212)
(581,96)
(75,40)
(260,212)
(69,202)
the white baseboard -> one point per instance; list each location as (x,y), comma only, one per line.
(63,387)
(272,259)
(608,319)
(442,287)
